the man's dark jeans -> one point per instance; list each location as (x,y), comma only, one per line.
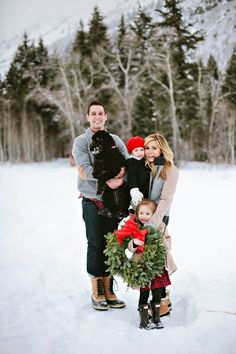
(96,227)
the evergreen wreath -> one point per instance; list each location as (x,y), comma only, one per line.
(136,273)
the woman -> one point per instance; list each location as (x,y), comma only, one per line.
(163,181)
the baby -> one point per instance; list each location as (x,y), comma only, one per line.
(138,174)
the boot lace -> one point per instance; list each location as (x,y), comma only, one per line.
(100,287)
(111,283)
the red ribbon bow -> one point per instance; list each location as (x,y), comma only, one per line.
(130,228)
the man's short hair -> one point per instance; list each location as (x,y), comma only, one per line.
(95,103)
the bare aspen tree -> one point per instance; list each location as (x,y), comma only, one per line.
(82,86)
(215,92)
(160,62)
(231,136)
(127,94)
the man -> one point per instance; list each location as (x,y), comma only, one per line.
(96,225)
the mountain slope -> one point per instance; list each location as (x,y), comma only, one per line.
(218,23)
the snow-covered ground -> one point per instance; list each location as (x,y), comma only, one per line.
(45,291)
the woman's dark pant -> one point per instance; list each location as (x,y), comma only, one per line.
(96,227)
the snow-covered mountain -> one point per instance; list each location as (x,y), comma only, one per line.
(219,24)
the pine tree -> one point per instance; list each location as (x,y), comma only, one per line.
(99,46)
(229,94)
(80,44)
(123,42)
(97,34)
(181,42)
(19,79)
(43,68)
(31,119)
(143,29)
(145,122)
(229,87)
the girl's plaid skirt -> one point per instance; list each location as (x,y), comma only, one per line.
(159,282)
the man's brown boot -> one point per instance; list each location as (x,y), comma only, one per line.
(109,293)
(98,297)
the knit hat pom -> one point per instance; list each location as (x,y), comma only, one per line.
(135,142)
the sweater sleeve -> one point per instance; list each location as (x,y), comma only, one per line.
(166,196)
(82,159)
(121,146)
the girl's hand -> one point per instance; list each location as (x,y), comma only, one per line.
(136,196)
(138,242)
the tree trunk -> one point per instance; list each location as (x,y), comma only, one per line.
(174,122)
(231,133)
(69,103)
(216,87)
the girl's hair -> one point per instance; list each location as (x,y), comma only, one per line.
(148,202)
(165,150)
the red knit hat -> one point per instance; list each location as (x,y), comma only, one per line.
(134,142)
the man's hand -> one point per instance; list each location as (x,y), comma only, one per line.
(117,181)
(114,183)
(121,173)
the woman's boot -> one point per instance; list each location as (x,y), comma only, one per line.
(164,310)
(156,315)
(143,313)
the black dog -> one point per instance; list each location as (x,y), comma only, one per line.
(108,162)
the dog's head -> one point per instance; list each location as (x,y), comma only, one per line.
(101,141)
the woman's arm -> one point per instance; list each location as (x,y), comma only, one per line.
(166,196)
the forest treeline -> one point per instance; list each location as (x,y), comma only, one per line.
(146,74)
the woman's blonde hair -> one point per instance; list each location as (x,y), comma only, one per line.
(165,150)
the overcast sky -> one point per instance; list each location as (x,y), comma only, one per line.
(17,16)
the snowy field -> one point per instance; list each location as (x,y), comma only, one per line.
(45,291)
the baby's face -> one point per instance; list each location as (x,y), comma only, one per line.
(144,214)
(138,152)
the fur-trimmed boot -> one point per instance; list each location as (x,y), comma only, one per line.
(110,296)
(156,315)
(98,297)
(143,313)
(164,309)
(168,299)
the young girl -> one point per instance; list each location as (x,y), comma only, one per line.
(144,212)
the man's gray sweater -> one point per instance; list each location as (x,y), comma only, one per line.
(84,159)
